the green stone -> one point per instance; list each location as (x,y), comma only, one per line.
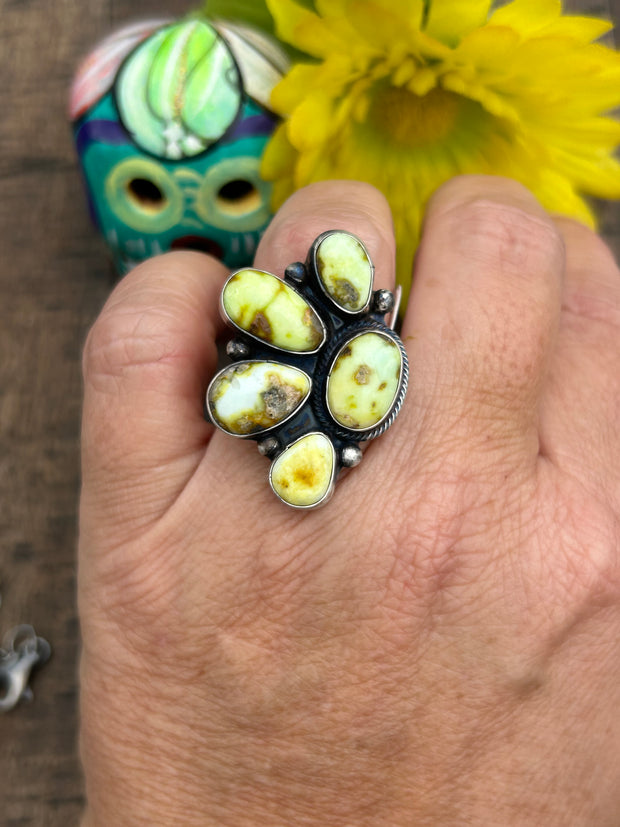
(345,270)
(270,310)
(364,381)
(303,475)
(250,397)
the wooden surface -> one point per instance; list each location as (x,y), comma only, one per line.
(53,280)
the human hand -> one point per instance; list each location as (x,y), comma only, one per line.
(440,644)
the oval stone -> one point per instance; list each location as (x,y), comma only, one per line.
(303,475)
(345,271)
(364,381)
(270,310)
(250,397)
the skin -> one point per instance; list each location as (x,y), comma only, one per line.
(440,645)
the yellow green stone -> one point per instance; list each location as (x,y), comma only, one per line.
(345,271)
(303,474)
(250,397)
(269,309)
(364,381)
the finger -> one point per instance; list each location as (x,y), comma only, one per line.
(581,405)
(481,320)
(146,362)
(353,206)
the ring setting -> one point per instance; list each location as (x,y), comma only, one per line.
(316,369)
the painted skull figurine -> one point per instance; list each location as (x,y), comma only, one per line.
(170,121)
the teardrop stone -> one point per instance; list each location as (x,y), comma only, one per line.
(345,271)
(250,397)
(270,310)
(303,475)
(364,381)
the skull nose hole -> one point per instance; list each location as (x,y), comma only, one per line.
(146,194)
(238,197)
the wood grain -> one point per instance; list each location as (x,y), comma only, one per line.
(54,278)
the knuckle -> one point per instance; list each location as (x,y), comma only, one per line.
(122,339)
(295,235)
(350,206)
(506,237)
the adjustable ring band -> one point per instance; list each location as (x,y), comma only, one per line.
(316,369)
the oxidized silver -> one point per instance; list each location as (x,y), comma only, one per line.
(325,322)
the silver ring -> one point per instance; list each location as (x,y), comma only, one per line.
(316,368)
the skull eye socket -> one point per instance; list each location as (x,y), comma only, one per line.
(143,195)
(146,194)
(233,196)
(238,197)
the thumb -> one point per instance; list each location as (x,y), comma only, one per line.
(146,364)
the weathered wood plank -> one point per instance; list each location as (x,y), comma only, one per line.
(53,281)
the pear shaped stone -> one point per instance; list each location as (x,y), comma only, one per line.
(270,310)
(345,271)
(364,381)
(303,475)
(250,397)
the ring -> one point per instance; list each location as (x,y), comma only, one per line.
(316,369)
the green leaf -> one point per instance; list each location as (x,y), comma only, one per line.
(254,12)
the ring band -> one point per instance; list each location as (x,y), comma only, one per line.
(316,369)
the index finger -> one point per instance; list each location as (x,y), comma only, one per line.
(146,361)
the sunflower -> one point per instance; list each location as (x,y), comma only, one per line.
(405,94)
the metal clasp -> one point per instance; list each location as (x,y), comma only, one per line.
(21,651)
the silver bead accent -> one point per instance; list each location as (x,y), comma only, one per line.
(382,301)
(296,272)
(350,456)
(268,447)
(236,349)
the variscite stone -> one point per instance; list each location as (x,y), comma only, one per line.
(303,474)
(317,369)
(364,381)
(345,271)
(270,310)
(250,397)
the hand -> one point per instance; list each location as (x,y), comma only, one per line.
(440,645)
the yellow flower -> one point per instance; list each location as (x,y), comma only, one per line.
(405,94)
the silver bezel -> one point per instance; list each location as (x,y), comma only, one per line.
(236,365)
(373,431)
(315,265)
(225,316)
(332,483)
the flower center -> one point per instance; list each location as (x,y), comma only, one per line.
(411,120)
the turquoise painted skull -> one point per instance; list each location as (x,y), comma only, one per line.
(170,122)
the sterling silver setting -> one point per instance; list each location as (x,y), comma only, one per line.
(316,367)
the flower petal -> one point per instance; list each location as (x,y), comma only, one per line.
(382,28)
(279,156)
(411,11)
(312,122)
(599,177)
(527,16)
(557,194)
(302,28)
(582,29)
(451,20)
(286,95)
